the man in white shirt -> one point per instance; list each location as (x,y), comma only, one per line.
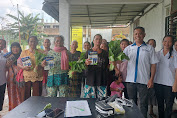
(141,69)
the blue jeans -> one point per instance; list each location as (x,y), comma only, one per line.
(133,89)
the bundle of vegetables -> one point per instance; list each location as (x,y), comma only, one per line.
(39,57)
(82,56)
(77,66)
(115,53)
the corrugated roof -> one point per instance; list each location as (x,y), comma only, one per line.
(98,15)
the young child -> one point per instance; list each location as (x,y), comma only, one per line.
(117,86)
(122,67)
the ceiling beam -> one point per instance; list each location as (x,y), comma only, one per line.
(98,2)
(133,20)
(104,16)
(88,14)
(119,13)
(140,12)
(112,20)
(109,13)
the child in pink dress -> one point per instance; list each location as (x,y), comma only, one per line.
(117,86)
(122,67)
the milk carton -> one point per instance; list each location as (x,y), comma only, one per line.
(26,61)
(93,56)
(49,63)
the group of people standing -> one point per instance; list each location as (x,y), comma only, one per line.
(151,73)
(145,71)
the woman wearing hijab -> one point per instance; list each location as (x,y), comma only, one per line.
(57,81)
(14,92)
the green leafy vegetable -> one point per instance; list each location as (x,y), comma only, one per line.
(82,56)
(39,57)
(115,53)
(77,66)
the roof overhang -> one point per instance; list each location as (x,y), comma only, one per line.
(101,12)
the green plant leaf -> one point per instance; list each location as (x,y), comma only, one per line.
(111,68)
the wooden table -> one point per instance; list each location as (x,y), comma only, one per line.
(33,105)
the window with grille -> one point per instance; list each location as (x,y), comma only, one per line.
(171,25)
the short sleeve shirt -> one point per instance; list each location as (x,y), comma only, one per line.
(166,68)
(31,75)
(141,57)
(97,74)
(75,56)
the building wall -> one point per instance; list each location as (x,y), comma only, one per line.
(124,31)
(154,23)
(115,31)
(51,30)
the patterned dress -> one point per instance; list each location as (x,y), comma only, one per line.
(15,93)
(57,80)
(75,81)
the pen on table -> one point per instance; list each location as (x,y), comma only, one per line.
(79,108)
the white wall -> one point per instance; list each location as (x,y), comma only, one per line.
(154,23)
(105,33)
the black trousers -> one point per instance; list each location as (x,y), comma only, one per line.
(2,92)
(165,95)
(133,89)
(125,90)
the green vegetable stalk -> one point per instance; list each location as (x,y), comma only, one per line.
(48,106)
(82,56)
(115,53)
(39,57)
(77,66)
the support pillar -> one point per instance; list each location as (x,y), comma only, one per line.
(64,21)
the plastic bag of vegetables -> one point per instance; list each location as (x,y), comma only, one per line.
(115,53)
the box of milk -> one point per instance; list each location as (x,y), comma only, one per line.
(26,61)
(49,63)
(93,56)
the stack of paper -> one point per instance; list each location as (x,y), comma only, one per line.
(77,108)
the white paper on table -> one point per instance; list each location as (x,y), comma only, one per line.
(73,108)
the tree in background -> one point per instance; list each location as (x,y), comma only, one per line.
(28,26)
